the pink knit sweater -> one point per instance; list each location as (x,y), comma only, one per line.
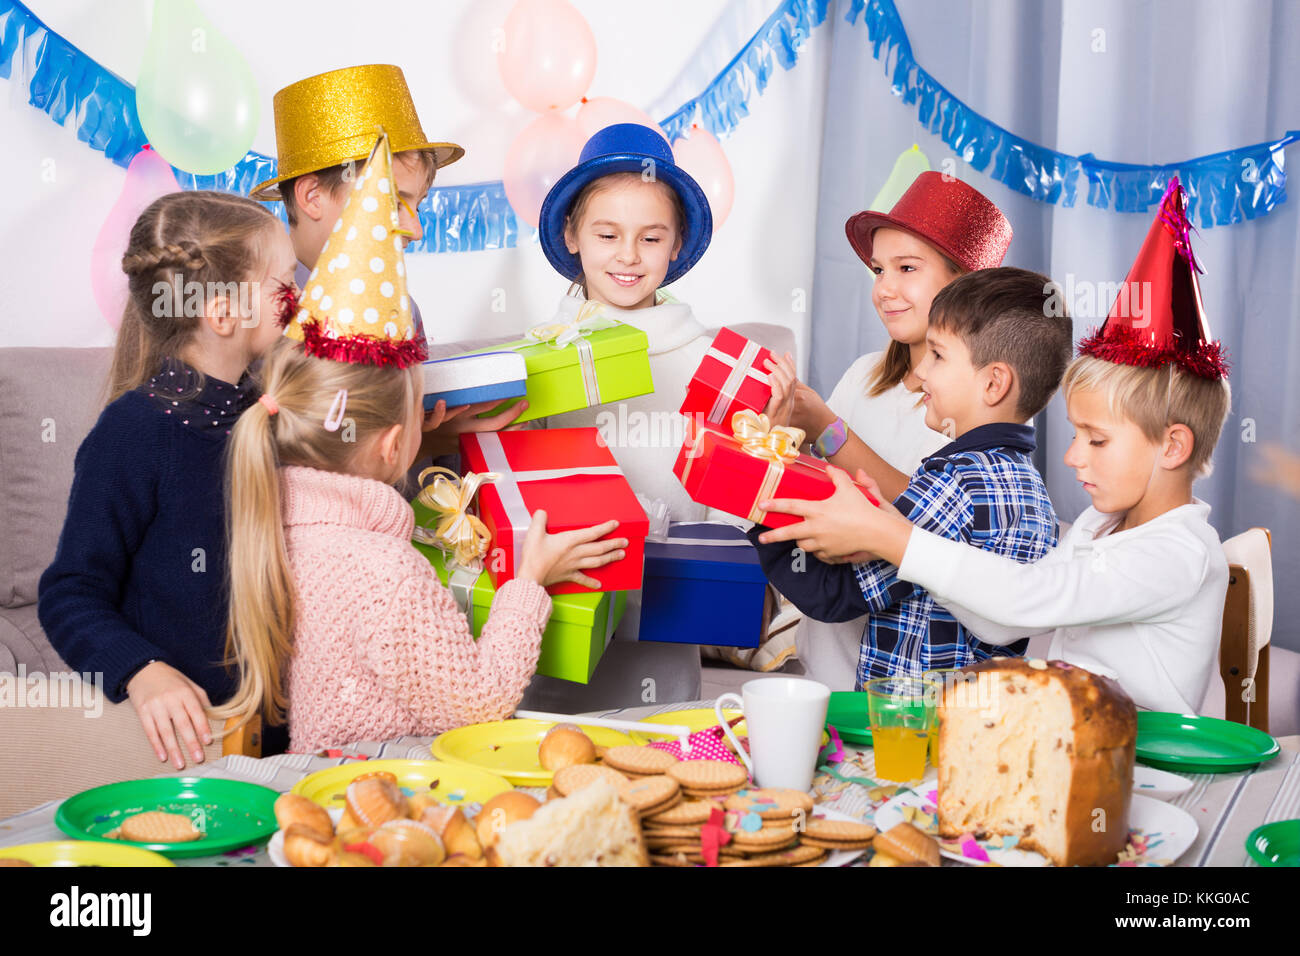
(380,647)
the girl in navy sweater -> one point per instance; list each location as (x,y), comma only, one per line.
(137,590)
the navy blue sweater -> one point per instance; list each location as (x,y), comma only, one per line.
(140,571)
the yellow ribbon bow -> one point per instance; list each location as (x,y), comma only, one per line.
(590,318)
(458,532)
(760,438)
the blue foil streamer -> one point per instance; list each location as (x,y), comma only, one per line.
(1222,188)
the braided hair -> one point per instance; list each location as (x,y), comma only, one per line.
(184,241)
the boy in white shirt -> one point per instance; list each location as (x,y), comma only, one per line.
(1135,589)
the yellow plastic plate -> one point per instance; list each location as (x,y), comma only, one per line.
(697,719)
(83,853)
(451,784)
(509,748)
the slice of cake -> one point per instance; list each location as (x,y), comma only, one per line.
(592,827)
(1040,751)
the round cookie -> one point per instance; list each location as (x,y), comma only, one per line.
(770,804)
(640,761)
(764,840)
(795,856)
(685,813)
(650,794)
(572,779)
(838,834)
(702,778)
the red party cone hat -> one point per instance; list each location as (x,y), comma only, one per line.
(1158,317)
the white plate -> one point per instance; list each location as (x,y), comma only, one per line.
(1162,832)
(1161,784)
(275,848)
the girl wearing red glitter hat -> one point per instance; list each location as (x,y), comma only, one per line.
(874,419)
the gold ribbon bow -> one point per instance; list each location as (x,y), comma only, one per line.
(590,318)
(458,532)
(758,437)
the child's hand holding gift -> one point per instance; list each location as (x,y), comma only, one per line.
(552,558)
(846,527)
(793,403)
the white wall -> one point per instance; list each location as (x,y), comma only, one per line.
(757,262)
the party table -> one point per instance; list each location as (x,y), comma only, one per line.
(1226,807)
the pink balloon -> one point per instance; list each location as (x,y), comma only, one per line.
(544,150)
(701,155)
(148,177)
(601,111)
(548,54)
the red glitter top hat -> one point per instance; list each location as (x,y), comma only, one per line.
(1158,317)
(954,218)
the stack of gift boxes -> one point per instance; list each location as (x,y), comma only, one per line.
(701,582)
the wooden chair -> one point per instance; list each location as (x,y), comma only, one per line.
(246,740)
(1247,628)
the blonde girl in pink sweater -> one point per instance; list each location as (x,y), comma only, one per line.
(335,617)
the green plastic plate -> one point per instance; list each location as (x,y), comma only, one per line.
(847,713)
(1192,744)
(1275,844)
(231,814)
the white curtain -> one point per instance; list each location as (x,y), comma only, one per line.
(1137,82)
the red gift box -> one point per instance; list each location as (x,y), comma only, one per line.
(571,475)
(734,471)
(731,377)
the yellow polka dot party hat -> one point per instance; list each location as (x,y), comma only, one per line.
(355,307)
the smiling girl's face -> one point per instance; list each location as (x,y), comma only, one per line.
(627,232)
(909,274)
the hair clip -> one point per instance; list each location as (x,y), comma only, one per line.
(334,417)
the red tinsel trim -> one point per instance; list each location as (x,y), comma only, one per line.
(362,349)
(286,300)
(1173,216)
(1124,346)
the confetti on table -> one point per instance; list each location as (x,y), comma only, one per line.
(972,850)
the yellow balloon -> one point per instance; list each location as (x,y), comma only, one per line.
(910,164)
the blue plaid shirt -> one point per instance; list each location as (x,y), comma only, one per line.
(982,489)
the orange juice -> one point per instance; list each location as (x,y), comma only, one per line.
(900,752)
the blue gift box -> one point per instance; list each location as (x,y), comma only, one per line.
(467,379)
(703,585)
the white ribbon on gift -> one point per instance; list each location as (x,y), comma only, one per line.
(561,335)
(507,486)
(742,367)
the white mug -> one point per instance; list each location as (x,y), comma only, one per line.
(785,717)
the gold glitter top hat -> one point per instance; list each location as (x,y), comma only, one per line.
(355,307)
(330,119)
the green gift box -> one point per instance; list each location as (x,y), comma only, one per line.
(580,365)
(577,634)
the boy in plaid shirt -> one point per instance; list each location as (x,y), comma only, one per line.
(996,351)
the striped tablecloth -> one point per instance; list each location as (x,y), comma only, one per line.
(1226,807)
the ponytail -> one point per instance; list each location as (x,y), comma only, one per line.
(259,637)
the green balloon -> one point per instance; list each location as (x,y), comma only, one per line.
(910,164)
(196,97)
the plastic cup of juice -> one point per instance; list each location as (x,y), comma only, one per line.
(901,710)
